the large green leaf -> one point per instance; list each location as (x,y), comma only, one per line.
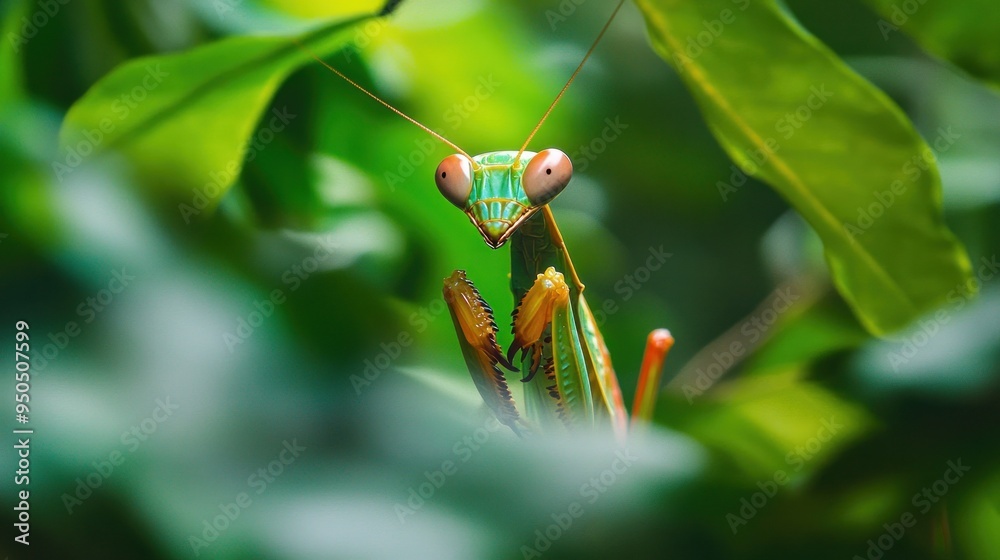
(184,120)
(791,113)
(960,31)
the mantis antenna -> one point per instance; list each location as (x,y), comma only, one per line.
(576,72)
(385,104)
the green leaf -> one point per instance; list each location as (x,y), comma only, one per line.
(764,423)
(791,113)
(313,9)
(960,31)
(184,119)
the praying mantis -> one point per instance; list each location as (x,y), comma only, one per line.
(564,365)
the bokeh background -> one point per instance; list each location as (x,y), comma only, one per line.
(329,413)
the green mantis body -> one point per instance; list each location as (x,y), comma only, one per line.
(564,365)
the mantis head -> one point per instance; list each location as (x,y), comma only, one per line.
(498,191)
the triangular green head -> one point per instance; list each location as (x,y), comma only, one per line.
(500,190)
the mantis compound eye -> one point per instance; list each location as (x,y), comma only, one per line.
(546,175)
(454,179)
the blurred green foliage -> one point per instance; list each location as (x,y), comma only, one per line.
(960,32)
(287,278)
(826,139)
